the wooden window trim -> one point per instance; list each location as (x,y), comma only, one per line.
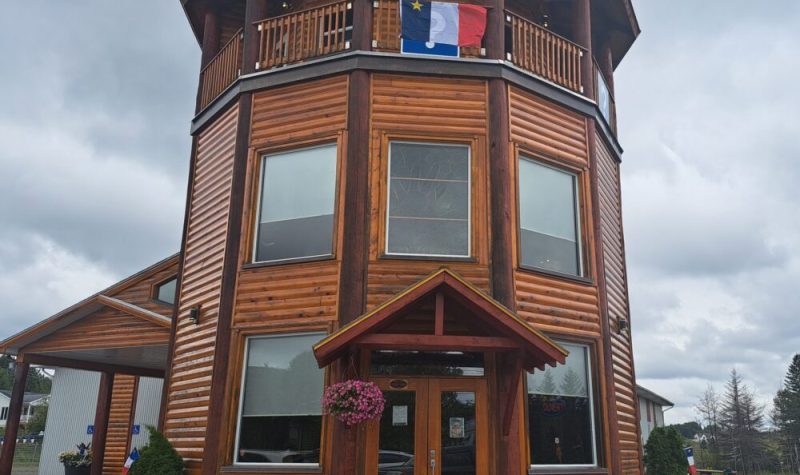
(253,189)
(585,235)
(235,379)
(478,189)
(599,409)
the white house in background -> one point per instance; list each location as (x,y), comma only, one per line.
(651,411)
(29,402)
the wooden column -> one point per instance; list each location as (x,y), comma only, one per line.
(14,414)
(362,25)
(255,10)
(606,61)
(210,35)
(610,400)
(582,32)
(101,421)
(496,30)
(213,455)
(355,248)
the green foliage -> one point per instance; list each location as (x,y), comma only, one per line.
(664,452)
(688,429)
(36,424)
(158,457)
(37,382)
(786,415)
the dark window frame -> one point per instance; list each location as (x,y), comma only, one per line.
(158,285)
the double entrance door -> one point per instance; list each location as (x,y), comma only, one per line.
(430,426)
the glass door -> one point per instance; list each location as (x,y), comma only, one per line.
(430,426)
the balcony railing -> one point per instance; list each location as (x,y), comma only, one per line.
(222,70)
(544,53)
(386,29)
(304,35)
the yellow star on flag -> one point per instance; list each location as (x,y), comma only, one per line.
(417,6)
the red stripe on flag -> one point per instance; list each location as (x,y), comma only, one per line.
(471,24)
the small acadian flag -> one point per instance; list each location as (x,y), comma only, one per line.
(690,459)
(134,456)
(455,24)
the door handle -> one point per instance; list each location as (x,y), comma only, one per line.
(433,462)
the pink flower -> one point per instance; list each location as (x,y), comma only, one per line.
(353,401)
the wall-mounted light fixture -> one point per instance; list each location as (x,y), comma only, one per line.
(622,324)
(194,315)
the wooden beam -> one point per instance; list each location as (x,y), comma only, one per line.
(511,397)
(255,10)
(14,414)
(101,414)
(439,315)
(391,341)
(362,21)
(136,311)
(496,29)
(582,32)
(58,362)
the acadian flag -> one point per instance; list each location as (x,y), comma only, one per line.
(454,24)
(134,456)
(690,459)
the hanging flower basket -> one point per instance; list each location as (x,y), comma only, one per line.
(353,401)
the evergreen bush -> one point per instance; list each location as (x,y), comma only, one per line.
(664,452)
(158,457)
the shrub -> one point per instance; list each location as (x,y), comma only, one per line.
(664,452)
(158,457)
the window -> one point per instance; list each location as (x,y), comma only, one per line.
(561,412)
(429,200)
(165,292)
(548,218)
(280,413)
(3,413)
(295,218)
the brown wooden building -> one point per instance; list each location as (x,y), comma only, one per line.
(449,228)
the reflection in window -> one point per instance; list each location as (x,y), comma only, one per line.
(429,194)
(166,291)
(548,221)
(297,202)
(560,412)
(280,412)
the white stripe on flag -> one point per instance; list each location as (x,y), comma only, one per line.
(444,23)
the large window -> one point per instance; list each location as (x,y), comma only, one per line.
(295,218)
(548,218)
(561,412)
(280,413)
(429,200)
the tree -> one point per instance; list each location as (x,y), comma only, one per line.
(740,422)
(688,429)
(708,409)
(37,381)
(158,457)
(664,452)
(786,414)
(37,422)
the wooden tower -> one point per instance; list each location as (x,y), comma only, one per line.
(447,227)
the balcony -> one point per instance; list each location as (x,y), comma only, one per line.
(326,30)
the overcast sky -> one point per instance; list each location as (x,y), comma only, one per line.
(96,98)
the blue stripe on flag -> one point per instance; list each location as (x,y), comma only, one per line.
(416,24)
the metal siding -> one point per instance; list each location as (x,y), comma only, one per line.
(148,403)
(72,406)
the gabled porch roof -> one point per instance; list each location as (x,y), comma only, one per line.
(498,328)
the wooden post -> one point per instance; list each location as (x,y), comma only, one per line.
(14,414)
(496,30)
(353,281)
(606,61)
(101,421)
(362,25)
(210,35)
(255,10)
(582,32)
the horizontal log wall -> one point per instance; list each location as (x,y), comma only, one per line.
(119,423)
(106,328)
(624,383)
(432,109)
(141,292)
(188,392)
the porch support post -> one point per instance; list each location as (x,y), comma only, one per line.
(14,414)
(362,25)
(582,32)
(101,421)
(496,30)
(353,281)
(255,10)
